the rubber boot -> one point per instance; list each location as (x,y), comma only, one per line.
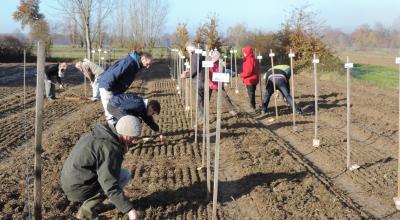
(86,211)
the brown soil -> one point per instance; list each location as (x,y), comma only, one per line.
(266,170)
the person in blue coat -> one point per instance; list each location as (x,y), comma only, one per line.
(118,77)
(131,104)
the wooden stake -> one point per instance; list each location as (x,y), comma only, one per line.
(237,74)
(273,83)
(217,148)
(197,99)
(37,211)
(291,55)
(190,90)
(259,57)
(397,199)
(316,140)
(207,123)
(231,63)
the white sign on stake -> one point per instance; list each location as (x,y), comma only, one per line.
(207,64)
(291,55)
(315,61)
(220,77)
(259,57)
(271,54)
(316,143)
(204,53)
(348,65)
(397,60)
(198,51)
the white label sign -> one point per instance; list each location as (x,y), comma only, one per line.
(259,57)
(182,57)
(207,64)
(291,55)
(220,77)
(315,61)
(397,60)
(198,51)
(348,65)
(204,53)
(271,54)
(316,143)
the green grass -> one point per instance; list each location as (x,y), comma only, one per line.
(383,77)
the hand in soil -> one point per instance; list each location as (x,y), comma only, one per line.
(163,139)
(133,215)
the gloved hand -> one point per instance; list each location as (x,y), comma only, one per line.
(163,139)
(62,86)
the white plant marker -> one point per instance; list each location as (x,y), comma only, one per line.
(237,75)
(316,141)
(291,56)
(273,83)
(397,199)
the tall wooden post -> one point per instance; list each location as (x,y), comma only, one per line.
(259,58)
(231,63)
(273,83)
(237,74)
(315,140)
(397,199)
(198,54)
(291,56)
(37,210)
(207,122)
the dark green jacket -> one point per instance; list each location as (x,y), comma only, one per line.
(93,166)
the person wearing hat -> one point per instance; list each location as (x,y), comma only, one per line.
(214,85)
(131,104)
(92,72)
(92,171)
(119,77)
(250,76)
(53,74)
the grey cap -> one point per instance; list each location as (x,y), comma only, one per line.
(129,125)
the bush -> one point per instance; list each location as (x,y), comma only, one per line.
(12,49)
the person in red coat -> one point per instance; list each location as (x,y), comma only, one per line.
(250,74)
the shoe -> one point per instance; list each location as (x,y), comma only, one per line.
(299,111)
(93,99)
(84,213)
(51,98)
(263,111)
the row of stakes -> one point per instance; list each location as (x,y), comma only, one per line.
(184,87)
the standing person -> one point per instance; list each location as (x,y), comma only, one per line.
(53,74)
(92,72)
(118,77)
(92,171)
(214,85)
(192,72)
(131,104)
(250,76)
(282,75)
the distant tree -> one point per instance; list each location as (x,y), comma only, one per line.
(237,35)
(213,40)
(199,38)
(181,36)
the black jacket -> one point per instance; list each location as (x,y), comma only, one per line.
(94,164)
(52,71)
(131,104)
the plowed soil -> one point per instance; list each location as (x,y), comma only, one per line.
(267,171)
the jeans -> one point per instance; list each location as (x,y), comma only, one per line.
(87,208)
(50,86)
(95,88)
(280,85)
(105,99)
(251,92)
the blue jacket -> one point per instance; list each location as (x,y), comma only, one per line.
(131,104)
(118,77)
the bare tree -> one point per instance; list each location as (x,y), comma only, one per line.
(148,18)
(237,35)
(84,13)
(213,40)
(181,36)
(119,24)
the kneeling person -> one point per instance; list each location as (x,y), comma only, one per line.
(131,104)
(93,171)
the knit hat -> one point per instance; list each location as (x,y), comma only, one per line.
(215,56)
(129,125)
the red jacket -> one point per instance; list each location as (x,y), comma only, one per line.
(211,84)
(250,72)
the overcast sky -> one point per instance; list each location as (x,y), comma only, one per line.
(255,14)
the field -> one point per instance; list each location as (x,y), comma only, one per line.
(267,169)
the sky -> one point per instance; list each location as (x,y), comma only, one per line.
(265,15)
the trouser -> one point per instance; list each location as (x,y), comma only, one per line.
(49,85)
(200,96)
(87,208)
(116,114)
(95,88)
(105,99)
(251,92)
(281,85)
(226,99)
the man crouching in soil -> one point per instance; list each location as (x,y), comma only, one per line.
(93,171)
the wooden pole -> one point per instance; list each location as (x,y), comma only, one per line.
(37,210)
(231,63)
(259,57)
(187,107)
(348,66)
(273,83)
(316,140)
(207,123)
(190,90)
(217,148)
(291,55)
(197,99)
(397,199)
(237,74)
